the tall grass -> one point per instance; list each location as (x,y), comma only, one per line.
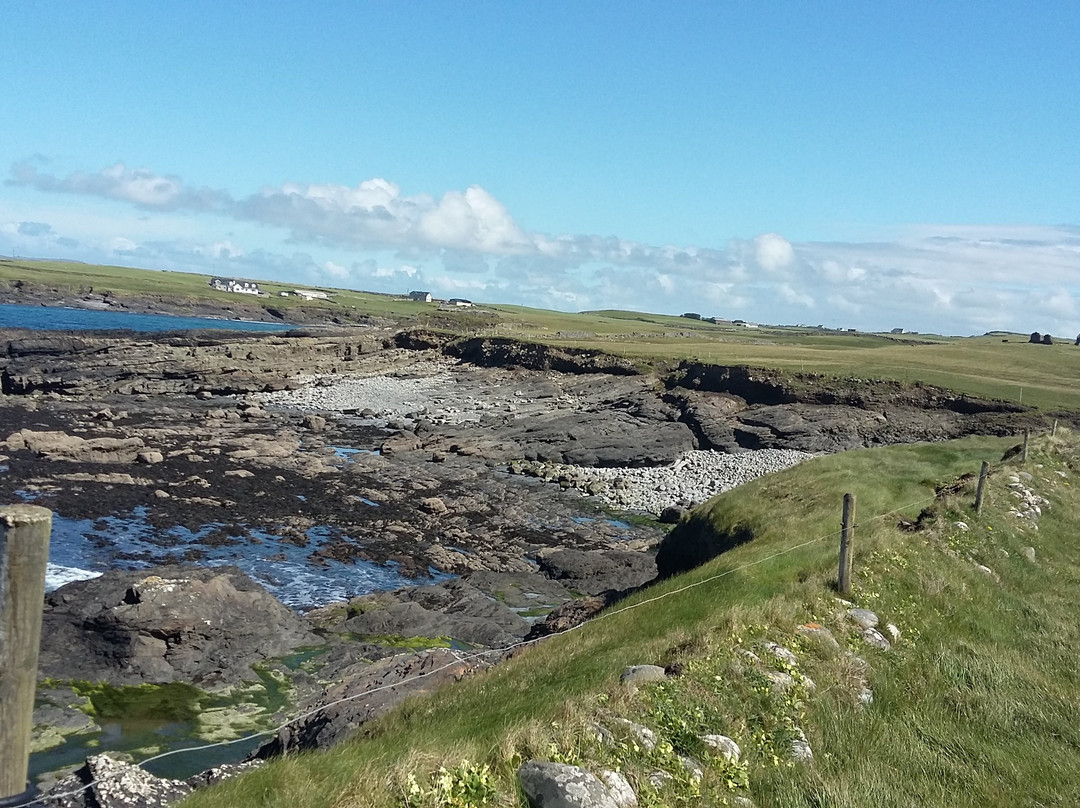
(974,706)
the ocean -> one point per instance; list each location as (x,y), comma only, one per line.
(55,318)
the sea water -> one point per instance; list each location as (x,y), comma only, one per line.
(56,318)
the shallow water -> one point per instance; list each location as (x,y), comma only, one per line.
(82,548)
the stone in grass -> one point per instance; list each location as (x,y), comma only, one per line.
(693,768)
(658,779)
(780,681)
(602,735)
(724,745)
(989,573)
(781,653)
(864,617)
(639,674)
(743,802)
(1029,554)
(866,696)
(800,747)
(559,785)
(643,735)
(819,632)
(619,788)
(876,639)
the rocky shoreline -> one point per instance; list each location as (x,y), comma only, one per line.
(505,469)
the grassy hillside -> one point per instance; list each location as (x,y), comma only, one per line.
(1000,366)
(973,706)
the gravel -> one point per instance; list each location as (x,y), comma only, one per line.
(694,477)
(438,397)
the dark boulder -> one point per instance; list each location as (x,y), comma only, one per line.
(591,572)
(203,626)
(365,692)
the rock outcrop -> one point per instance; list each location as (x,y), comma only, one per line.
(167,624)
(365,692)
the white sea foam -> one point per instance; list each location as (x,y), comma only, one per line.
(56,576)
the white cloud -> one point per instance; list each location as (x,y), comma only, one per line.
(119,244)
(335,270)
(139,186)
(956,279)
(788,293)
(773,252)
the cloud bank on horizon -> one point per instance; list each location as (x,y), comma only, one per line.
(929,277)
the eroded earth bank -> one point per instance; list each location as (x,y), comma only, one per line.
(287,520)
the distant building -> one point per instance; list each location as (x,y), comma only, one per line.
(460,302)
(420,297)
(897,331)
(234,285)
(311,294)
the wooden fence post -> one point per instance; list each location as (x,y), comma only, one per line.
(983,472)
(24,552)
(1023,452)
(1053,429)
(847,537)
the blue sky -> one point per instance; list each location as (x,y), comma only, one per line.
(866,165)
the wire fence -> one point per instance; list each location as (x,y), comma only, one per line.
(475,655)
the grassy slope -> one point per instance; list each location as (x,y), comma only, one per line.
(974,707)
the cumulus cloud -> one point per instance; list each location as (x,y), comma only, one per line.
(773,252)
(956,279)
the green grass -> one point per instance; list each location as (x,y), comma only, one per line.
(1036,375)
(975,706)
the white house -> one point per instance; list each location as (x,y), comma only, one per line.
(422,297)
(234,285)
(311,294)
(460,302)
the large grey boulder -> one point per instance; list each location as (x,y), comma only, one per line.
(559,785)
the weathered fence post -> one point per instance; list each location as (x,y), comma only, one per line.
(1023,452)
(983,472)
(24,551)
(1053,429)
(847,536)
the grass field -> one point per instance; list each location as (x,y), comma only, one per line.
(1001,366)
(973,706)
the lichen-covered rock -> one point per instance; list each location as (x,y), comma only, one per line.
(643,735)
(559,785)
(864,617)
(620,789)
(109,783)
(639,674)
(724,745)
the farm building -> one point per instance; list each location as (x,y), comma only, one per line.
(422,297)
